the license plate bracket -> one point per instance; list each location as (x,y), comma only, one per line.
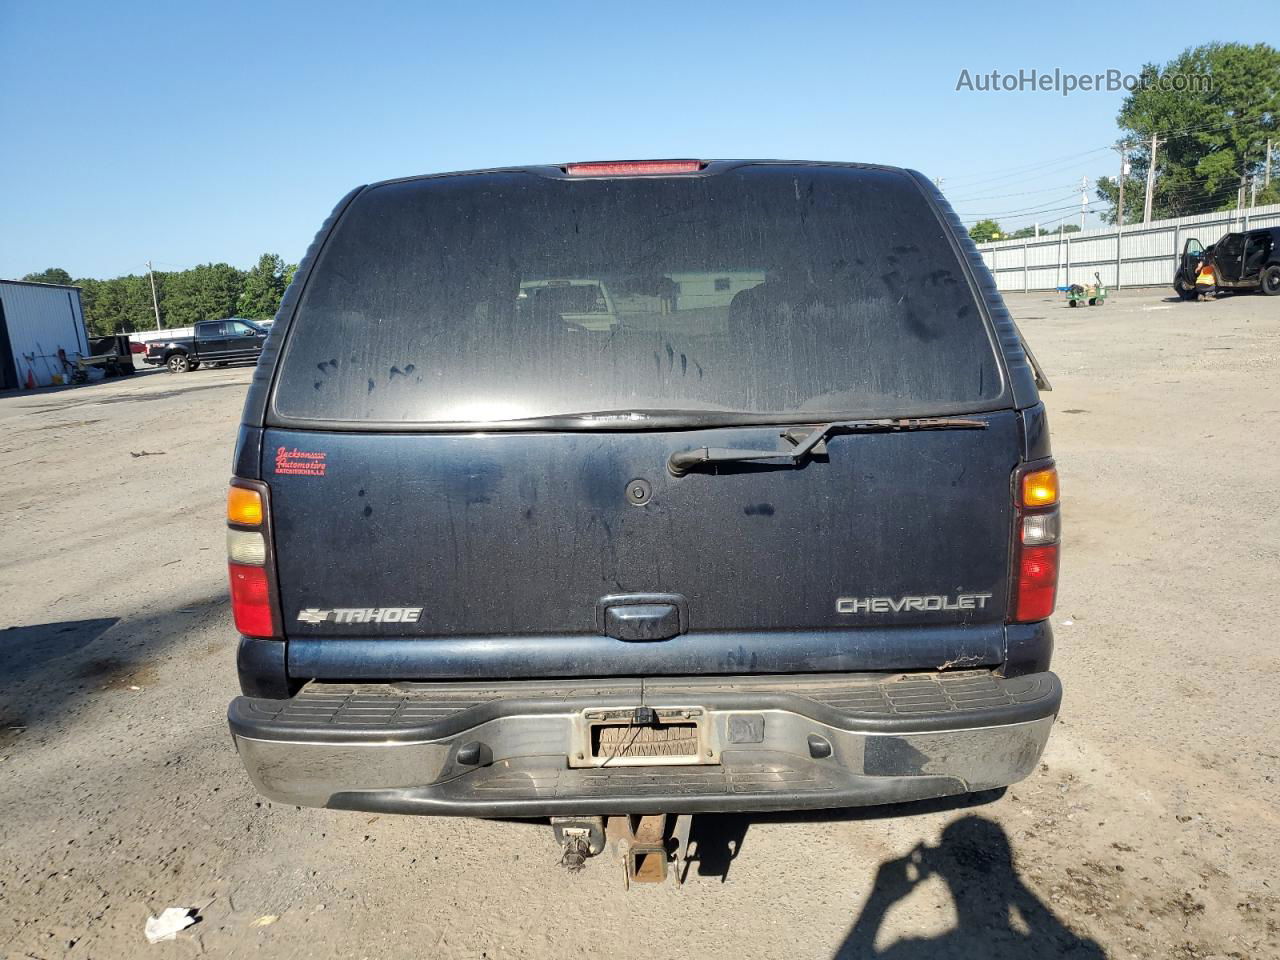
(643,737)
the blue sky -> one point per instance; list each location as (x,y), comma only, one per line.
(194,132)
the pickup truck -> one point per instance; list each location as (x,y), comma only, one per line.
(215,341)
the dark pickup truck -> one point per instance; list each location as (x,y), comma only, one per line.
(769,521)
(215,341)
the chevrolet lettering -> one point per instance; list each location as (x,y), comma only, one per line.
(961,601)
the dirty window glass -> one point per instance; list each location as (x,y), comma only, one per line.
(761,289)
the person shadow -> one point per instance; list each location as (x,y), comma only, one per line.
(999,917)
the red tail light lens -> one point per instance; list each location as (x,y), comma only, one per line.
(633,168)
(1036,547)
(250,561)
(1037,588)
(251,601)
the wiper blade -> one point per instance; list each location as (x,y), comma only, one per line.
(638,418)
(682,461)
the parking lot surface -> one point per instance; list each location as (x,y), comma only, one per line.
(1151,830)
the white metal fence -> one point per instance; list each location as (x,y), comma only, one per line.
(1144,254)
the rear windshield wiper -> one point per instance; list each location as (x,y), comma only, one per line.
(682,461)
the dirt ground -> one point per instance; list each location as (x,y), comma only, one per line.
(1151,830)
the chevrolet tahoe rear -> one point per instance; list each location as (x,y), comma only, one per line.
(642,488)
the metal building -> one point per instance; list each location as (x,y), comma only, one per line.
(36,321)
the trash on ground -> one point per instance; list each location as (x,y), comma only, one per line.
(167,925)
(266,920)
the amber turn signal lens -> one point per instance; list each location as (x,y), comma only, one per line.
(1040,488)
(244,506)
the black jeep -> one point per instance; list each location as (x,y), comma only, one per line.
(642,488)
(1240,261)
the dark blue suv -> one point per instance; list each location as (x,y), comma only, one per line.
(637,488)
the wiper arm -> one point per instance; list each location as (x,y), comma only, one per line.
(682,461)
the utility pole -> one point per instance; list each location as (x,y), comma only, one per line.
(1151,178)
(1084,199)
(1240,197)
(1266,174)
(154,301)
(1253,192)
(1124,175)
(1036,227)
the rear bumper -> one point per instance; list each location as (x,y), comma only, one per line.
(775,743)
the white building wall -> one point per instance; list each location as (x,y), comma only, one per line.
(41,319)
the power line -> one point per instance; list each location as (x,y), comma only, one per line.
(988,176)
(1036,208)
(1070,206)
(1233,121)
(1038,168)
(1001,196)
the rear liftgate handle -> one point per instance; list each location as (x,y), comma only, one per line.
(642,617)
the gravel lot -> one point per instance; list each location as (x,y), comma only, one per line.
(1151,830)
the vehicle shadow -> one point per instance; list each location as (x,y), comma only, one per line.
(25,650)
(716,840)
(50,669)
(999,917)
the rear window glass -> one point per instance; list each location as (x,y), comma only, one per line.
(763,289)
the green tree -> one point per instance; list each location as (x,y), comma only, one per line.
(1215,133)
(985,231)
(1269,194)
(89,290)
(52,275)
(264,285)
(119,305)
(1134,191)
(1026,232)
(210,291)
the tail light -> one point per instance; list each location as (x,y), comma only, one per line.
(1036,543)
(249,560)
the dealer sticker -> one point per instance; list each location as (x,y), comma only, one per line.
(303,463)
